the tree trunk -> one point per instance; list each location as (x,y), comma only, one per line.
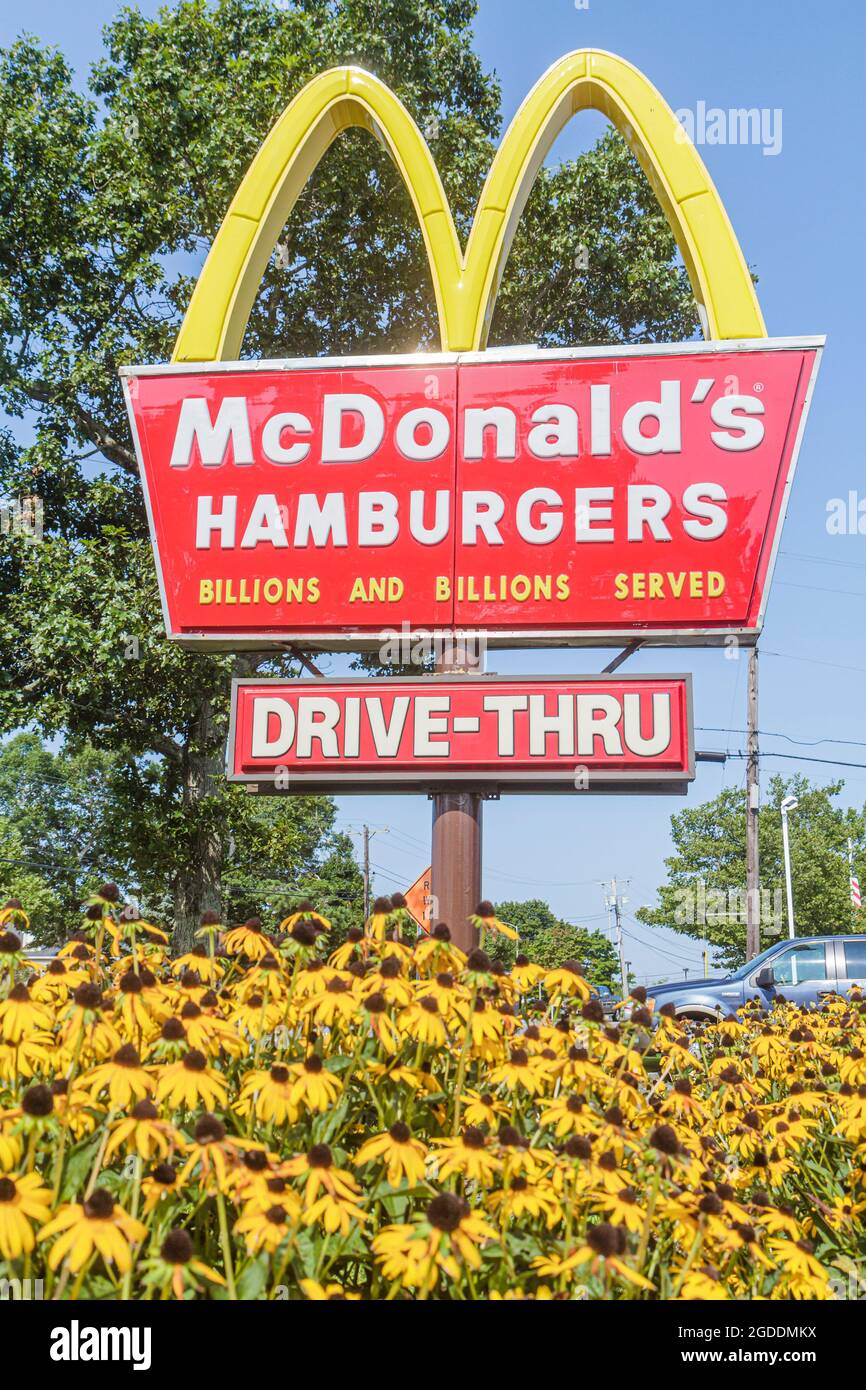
(198,882)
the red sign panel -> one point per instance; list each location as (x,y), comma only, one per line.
(570,495)
(598,733)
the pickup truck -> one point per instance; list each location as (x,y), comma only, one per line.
(803,971)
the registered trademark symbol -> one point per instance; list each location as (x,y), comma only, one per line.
(758,386)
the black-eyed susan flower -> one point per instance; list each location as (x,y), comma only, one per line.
(158,1187)
(269,1095)
(519,1071)
(484,919)
(24,1203)
(327,1293)
(524,1199)
(388,979)
(84,1025)
(56,982)
(305,912)
(313,1087)
(423,1021)
(123,1077)
(96,1225)
(350,950)
(484,1108)
(468,1154)
(605,1250)
(20,1015)
(209,1032)
(437,952)
(141,1132)
(377,922)
(248,939)
(330,1194)
(337,1003)
(33,1055)
(12,914)
(376,1017)
(566,982)
(210,1153)
(396,1148)
(526,974)
(486,1024)
(136,1018)
(176,1269)
(190,1083)
(445,1240)
(207,967)
(264,1229)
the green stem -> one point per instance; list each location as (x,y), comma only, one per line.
(225,1244)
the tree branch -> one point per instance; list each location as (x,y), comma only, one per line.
(105,442)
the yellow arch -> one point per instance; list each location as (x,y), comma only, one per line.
(466,284)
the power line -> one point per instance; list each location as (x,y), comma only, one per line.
(821,588)
(822,560)
(814,661)
(802,758)
(771,733)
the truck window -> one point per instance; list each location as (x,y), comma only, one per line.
(855,960)
(800,963)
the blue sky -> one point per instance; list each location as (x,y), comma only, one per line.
(799,215)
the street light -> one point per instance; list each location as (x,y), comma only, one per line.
(790,803)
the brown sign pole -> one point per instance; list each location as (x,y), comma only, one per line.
(456,849)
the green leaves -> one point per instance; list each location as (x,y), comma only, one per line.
(704,896)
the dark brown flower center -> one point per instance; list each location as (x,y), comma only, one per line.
(446,1212)
(99,1205)
(177,1248)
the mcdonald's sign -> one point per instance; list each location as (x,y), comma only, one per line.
(570,495)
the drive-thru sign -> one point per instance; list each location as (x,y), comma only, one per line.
(530,734)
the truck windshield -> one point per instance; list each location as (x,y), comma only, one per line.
(754,964)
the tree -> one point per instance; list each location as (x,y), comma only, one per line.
(109,199)
(550,941)
(69,820)
(54,836)
(704,896)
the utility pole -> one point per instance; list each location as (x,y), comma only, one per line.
(366,834)
(790,803)
(753,805)
(616,902)
(456,849)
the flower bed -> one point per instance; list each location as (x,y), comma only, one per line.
(252,1120)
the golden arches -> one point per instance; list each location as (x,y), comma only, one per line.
(466,284)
